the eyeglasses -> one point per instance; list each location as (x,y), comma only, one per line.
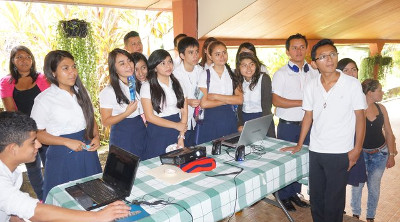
(324,57)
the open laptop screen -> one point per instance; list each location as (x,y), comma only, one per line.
(120,169)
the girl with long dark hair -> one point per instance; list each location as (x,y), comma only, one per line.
(221,92)
(65,119)
(116,108)
(141,68)
(206,61)
(164,105)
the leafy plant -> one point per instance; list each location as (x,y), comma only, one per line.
(384,63)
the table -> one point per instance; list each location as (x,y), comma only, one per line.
(211,198)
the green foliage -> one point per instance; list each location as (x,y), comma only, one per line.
(384,63)
(84,51)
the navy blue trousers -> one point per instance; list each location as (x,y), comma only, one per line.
(34,171)
(291,133)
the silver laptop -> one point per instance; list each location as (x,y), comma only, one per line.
(253,131)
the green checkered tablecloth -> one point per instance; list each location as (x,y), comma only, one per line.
(265,171)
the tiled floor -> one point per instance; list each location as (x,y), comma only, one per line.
(389,202)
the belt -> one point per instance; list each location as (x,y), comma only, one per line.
(289,122)
(375,150)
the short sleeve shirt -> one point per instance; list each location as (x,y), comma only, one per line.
(288,84)
(108,100)
(12,200)
(58,112)
(252,98)
(334,119)
(169,106)
(218,85)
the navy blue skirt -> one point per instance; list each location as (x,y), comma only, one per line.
(218,122)
(63,166)
(250,116)
(130,135)
(159,138)
(357,173)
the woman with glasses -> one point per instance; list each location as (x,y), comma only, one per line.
(65,120)
(256,88)
(18,91)
(118,110)
(164,105)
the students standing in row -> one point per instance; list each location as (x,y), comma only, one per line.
(118,110)
(256,88)
(65,119)
(287,96)
(188,73)
(221,91)
(164,105)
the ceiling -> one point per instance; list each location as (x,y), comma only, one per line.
(277,19)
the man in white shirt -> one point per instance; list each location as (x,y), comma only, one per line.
(287,95)
(334,104)
(18,144)
(188,73)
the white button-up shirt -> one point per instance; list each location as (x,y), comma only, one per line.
(108,100)
(218,85)
(169,106)
(58,112)
(252,98)
(12,200)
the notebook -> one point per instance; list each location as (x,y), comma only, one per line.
(115,184)
(253,131)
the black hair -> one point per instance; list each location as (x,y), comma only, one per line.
(15,128)
(204,48)
(344,62)
(114,78)
(15,75)
(182,35)
(369,85)
(51,61)
(250,47)
(185,43)
(130,35)
(257,73)
(235,80)
(136,57)
(157,93)
(296,36)
(320,44)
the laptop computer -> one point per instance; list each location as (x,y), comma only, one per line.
(115,184)
(253,131)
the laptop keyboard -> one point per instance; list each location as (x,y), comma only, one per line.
(233,140)
(97,190)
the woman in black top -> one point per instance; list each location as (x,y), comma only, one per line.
(379,149)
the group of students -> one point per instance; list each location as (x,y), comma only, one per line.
(184,102)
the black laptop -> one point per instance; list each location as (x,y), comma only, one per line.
(116,183)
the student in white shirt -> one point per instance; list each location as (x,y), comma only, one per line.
(206,61)
(117,108)
(188,73)
(18,144)
(221,92)
(65,119)
(256,88)
(177,39)
(164,105)
(141,68)
(334,104)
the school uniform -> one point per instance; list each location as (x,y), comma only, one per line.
(288,82)
(256,102)
(188,81)
(130,133)
(221,120)
(59,113)
(159,138)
